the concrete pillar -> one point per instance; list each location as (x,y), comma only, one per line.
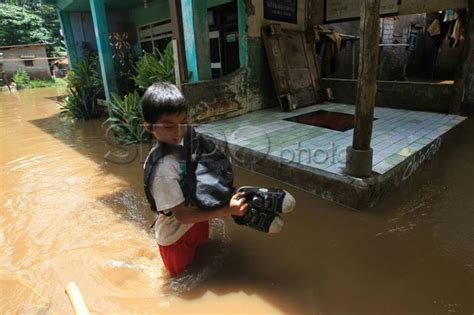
(196,39)
(243,50)
(359,155)
(101,30)
(66,29)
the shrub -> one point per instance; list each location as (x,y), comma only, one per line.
(21,79)
(47,83)
(124,58)
(84,88)
(127,119)
(155,67)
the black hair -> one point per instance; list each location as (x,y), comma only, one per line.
(162,98)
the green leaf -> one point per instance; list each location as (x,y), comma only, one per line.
(155,67)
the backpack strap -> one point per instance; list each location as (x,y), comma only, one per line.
(150,165)
(190,144)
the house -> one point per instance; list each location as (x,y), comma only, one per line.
(219,44)
(222,68)
(30,57)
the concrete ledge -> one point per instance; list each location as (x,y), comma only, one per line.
(348,191)
(410,167)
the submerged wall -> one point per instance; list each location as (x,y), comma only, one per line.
(434,97)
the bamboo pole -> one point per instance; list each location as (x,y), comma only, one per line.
(75,296)
(27,284)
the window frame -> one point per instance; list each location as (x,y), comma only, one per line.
(153,37)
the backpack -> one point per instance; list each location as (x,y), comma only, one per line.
(208,178)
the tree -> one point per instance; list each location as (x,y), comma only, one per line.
(21,26)
(27,22)
(51,23)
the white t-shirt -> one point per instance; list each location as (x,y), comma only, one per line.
(167,192)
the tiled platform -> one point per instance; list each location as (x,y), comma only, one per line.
(398,135)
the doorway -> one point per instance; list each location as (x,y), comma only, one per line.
(224,39)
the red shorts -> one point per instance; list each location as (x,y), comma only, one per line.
(179,254)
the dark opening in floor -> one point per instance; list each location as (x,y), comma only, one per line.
(325,119)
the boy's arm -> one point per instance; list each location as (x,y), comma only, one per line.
(186,215)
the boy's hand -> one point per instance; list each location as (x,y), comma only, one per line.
(238,205)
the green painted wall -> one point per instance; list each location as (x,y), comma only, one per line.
(213,3)
(157,10)
(83,5)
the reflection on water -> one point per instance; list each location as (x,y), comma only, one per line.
(68,214)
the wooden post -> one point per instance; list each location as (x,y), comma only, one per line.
(101,29)
(177,26)
(359,155)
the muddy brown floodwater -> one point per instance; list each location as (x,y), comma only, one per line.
(69,214)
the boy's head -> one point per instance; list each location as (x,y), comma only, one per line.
(164,111)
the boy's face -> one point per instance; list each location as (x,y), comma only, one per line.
(170,128)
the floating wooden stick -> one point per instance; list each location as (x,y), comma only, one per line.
(27,284)
(75,296)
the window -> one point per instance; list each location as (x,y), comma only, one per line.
(155,36)
(28,62)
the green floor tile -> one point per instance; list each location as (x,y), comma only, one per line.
(406,151)
(394,159)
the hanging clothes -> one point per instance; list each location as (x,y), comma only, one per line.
(457,35)
(434,28)
(450,15)
(438,37)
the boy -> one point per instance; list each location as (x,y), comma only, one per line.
(179,229)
